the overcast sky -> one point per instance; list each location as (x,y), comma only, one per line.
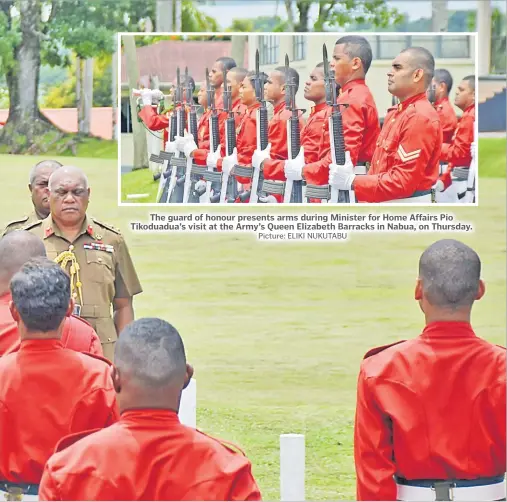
(227,10)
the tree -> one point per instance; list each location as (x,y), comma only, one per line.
(140,145)
(332,13)
(32,31)
(63,94)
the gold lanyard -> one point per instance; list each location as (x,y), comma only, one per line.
(64,259)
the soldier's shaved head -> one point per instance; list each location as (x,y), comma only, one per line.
(70,172)
(423,59)
(239,73)
(150,353)
(450,274)
(51,165)
(16,248)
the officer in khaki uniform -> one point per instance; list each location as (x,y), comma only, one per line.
(94,254)
(38,182)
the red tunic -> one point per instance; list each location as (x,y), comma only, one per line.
(154,121)
(361,128)
(448,119)
(457,153)
(246,141)
(430,408)
(311,135)
(201,154)
(77,334)
(147,455)
(277,136)
(47,392)
(406,159)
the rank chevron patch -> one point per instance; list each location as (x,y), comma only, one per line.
(407,156)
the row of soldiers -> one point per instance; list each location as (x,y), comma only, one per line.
(430,413)
(341,153)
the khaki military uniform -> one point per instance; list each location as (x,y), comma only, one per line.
(22,222)
(105,271)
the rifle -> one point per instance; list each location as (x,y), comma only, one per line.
(214,135)
(163,192)
(293,189)
(335,127)
(192,122)
(229,187)
(262,129)
(178,162)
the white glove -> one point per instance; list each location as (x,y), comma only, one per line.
(439,186)
(342,176)
(180,142)
(229,162)
(186,144)
(260,156)
(146,95)
(156,95)
(170,147)
(294,167)
(212,158)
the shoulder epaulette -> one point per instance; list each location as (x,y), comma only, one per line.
(69,440)
(234,448)
(14,222)
(376,350)
(32,225)
(105,225)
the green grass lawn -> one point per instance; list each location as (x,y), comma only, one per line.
(491,155)
(87,147)
(277,332)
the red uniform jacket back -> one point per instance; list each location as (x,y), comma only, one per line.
(430,408)
(77,334)
(148,455)
(46,393)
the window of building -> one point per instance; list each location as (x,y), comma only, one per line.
(269,48)
(452,47)
(389,47)
(299,44)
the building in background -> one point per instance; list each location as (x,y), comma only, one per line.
(455,52)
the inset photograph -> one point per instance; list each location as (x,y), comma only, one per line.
(298,119)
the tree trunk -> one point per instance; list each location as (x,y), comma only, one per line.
(290,15)
(114,92)
(87,96)
(79,94)
(140,146)
(25,123)
(238,49)
(164,16)
(439,15)
(304,9)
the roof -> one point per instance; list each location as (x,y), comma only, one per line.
(162,58)
(66,119)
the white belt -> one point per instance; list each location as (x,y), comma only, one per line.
(359,170)
(467,493)
(412,200)
(28,498)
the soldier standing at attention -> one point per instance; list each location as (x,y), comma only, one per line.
(38,182)
(94,254)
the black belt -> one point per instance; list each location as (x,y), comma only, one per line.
(458,483)
(27,489)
